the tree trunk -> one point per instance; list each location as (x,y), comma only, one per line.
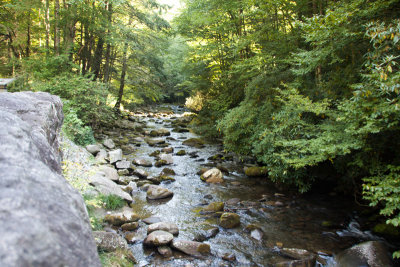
(47,23)
(108,49)
(98,58)
(57,27)
(122,82)
(69,30)
(28,35)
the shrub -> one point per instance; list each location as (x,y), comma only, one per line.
(74,127)
(86,97)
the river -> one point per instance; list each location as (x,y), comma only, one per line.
(315,223)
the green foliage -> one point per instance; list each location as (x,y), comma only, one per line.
(74,128)
(111,202)
(86,97)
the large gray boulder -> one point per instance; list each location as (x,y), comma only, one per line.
(43,218)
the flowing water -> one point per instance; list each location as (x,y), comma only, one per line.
(289,221)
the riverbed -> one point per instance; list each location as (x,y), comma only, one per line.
(320,224)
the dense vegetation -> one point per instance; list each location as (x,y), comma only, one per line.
(309,88)
(96,55)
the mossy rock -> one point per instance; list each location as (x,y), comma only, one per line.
(165,178)
(181,153)
(214,207)
(161,163)
(204,249)
(256,171)
(168,171)
(143,182)
(153,133)
(194,142)
(229,220)
(155,153)
(130,226)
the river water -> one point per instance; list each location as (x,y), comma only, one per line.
(314,223)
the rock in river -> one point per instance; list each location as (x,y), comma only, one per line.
(191,248)
(167,158)
(130,226)
(158,238)
(164,226)
(151,220)
(213,176)
(165,251)
(194,142)
(371,253)
(142,162)
(158,192)
(213,207)
(118,219)
(229,220)
(154,141)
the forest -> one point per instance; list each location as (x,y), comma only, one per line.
(308,88)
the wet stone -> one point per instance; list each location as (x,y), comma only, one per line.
(181,153)
(229,220)
(164,226)
(156,192)
(213,207)
(142,162)
(152,220)
(118,219)
(167,158)
(155,153)
(168,150)
(206,234)
(160,163)
(154,141)
(130,226)
(191,248)
(167,171)
(165,251)
(257,234)
(140,173)
(158,238)
(233,201)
